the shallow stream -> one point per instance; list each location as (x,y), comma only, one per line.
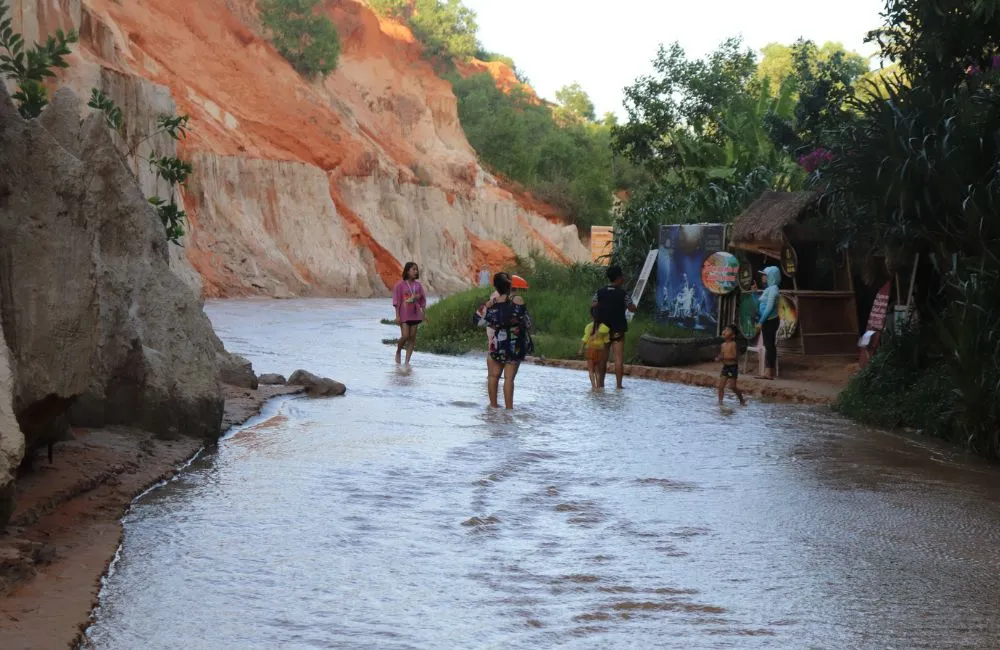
(407,515)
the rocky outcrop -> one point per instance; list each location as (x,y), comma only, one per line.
(236,371)
(273,379)
(303,187)
(100,331)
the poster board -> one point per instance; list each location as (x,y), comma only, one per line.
(681,297)
(601,244)
(640,285)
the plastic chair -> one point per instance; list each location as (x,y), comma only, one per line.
(758,349)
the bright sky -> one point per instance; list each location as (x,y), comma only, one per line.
(605,46)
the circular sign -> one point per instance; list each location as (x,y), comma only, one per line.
(789,261)
(745,278)
(719,273)
(749,306)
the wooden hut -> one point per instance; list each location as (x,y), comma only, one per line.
(817,289)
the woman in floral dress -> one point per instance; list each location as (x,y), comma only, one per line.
(511,342)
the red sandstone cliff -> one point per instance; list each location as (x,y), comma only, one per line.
(302,187)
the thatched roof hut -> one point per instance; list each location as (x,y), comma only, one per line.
(772,220)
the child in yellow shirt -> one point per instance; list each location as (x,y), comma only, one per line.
(596,337)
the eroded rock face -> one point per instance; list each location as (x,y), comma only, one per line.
(99,329)
(11,439)
(303,188)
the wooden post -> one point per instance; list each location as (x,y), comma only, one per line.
(913,280)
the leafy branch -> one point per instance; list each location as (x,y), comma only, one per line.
(175,126)
(103,103)
(29,68)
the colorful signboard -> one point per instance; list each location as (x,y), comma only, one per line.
(789,261)
(870,340)
(788,317)
(682,298)
(876,319)
(720,273)
(601,244)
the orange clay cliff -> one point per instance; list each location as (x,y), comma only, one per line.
(302,187)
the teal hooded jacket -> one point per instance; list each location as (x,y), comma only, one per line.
(769,299)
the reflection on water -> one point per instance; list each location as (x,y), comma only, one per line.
(406,515)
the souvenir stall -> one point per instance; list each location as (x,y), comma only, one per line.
(817,308)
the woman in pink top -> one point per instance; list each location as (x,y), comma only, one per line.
(410,301)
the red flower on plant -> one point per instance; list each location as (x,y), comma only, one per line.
(815,159)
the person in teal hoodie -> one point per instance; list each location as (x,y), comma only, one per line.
(767,319)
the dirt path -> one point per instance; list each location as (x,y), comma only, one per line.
(803,380)
(67,525)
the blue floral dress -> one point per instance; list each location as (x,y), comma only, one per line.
(511,340)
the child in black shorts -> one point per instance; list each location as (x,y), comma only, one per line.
(729,355)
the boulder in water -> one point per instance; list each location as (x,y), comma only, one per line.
(315,385)
(272,379)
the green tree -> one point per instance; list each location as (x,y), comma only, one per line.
(447,28)
(698,132)
(681,94)
(307,39)
(779,61)
(575,103)
(916,172)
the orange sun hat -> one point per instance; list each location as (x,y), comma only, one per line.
(517,282)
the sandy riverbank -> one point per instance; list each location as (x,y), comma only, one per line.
(803,380)
(67,524)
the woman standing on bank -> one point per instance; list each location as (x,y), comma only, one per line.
(508,317)
(768,321)
(409,299)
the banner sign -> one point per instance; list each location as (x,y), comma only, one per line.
(682,298)
(640,285)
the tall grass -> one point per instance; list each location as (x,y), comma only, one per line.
(559,302)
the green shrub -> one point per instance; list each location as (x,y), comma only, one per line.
(307,40)
(447,28)
(492,57)
(902,386)
(390,8)
(566,165)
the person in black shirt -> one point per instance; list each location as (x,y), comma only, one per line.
(612,302)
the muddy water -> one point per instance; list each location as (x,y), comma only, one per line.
(408,516)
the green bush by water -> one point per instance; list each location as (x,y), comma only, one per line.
(902,387)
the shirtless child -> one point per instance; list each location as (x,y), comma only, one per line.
(729,355)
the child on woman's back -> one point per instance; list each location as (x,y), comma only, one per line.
(596,337)
(729,355)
